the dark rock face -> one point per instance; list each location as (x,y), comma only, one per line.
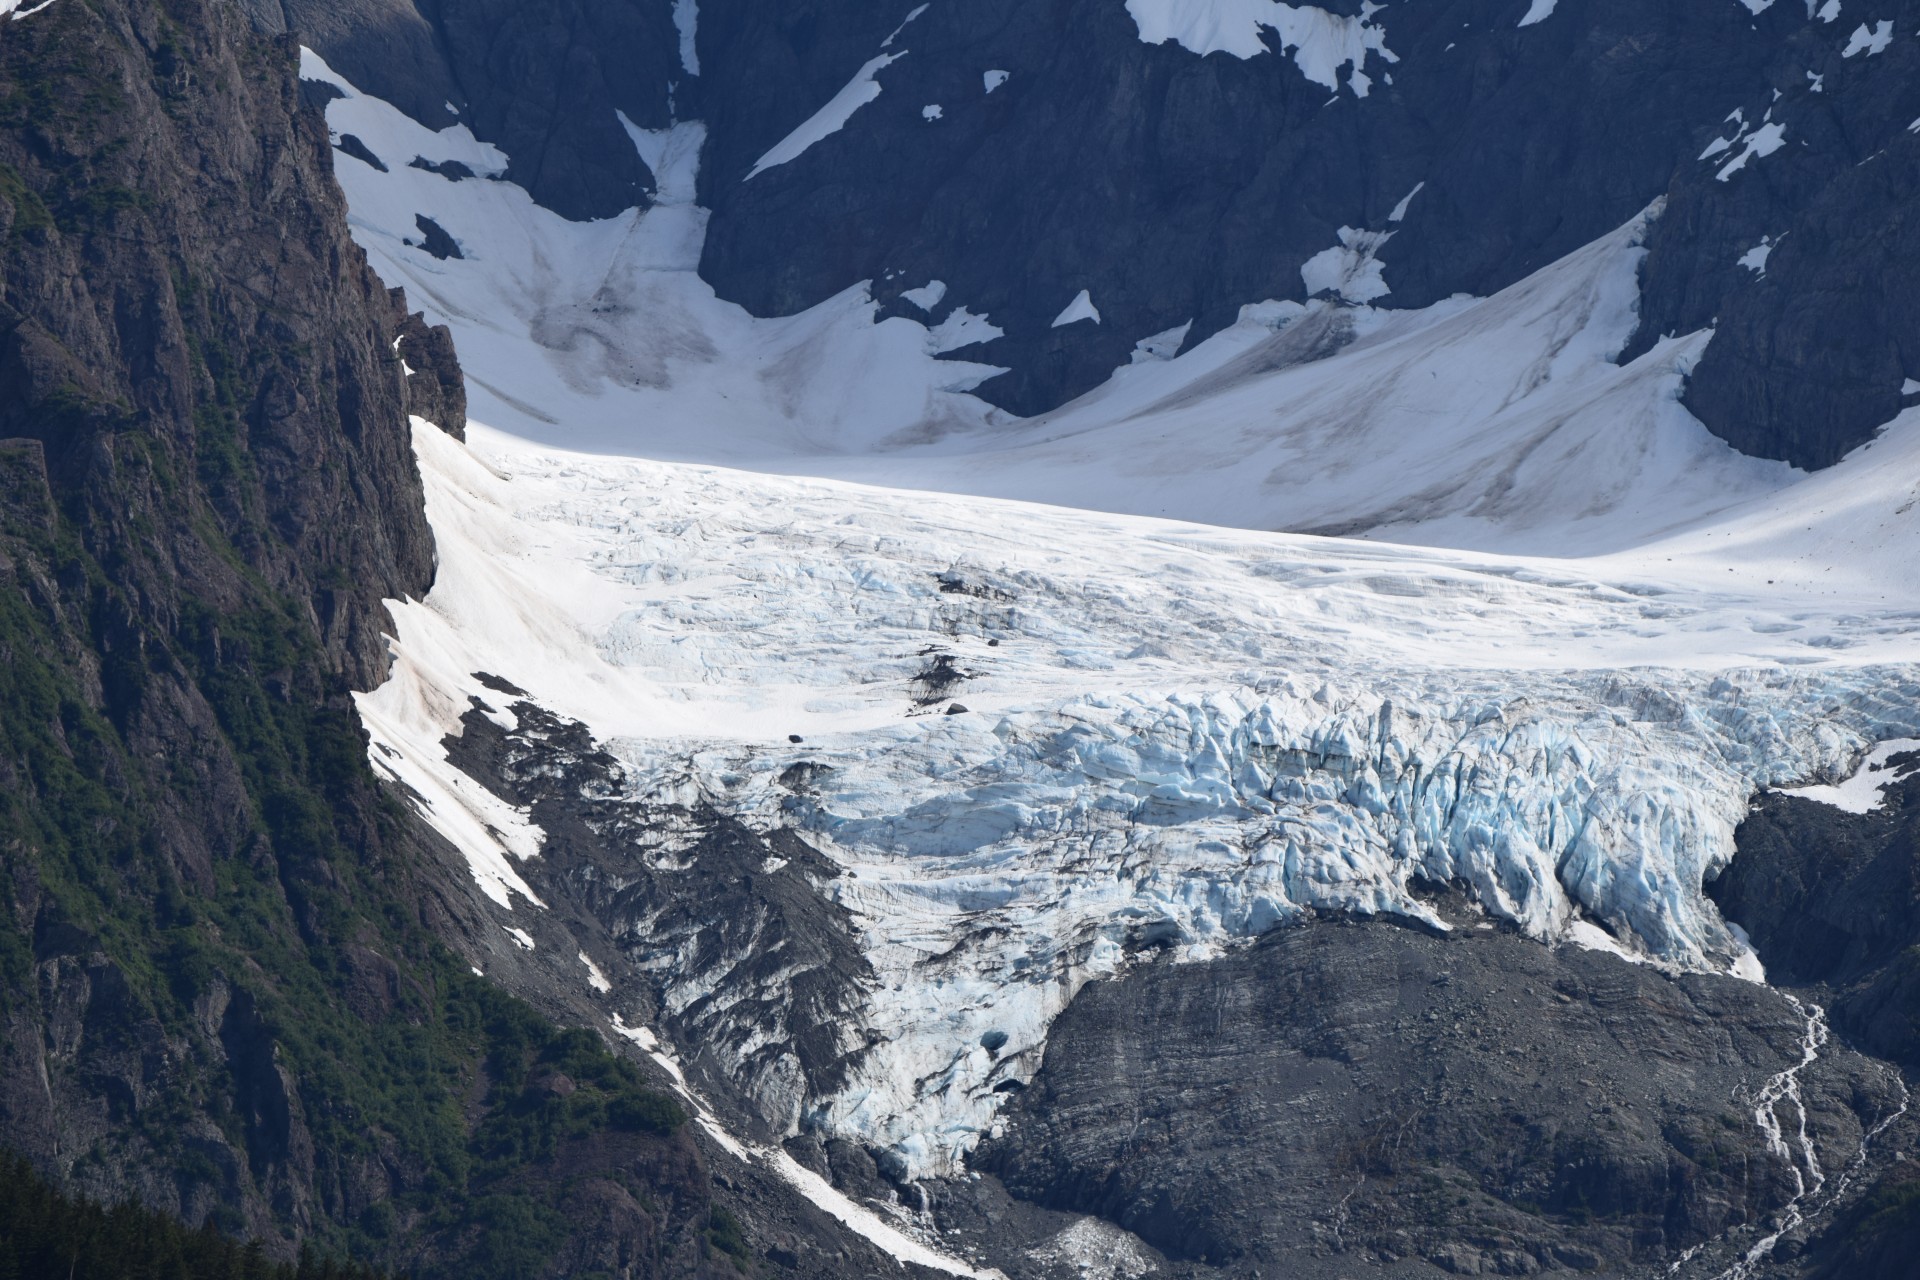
(1177,187)
(1832,900)
(542,82)
(222,990)
(209,491)
(714,934)
(181,299)
(436,390)
(1811,353)
(1361,1090)
(435,240)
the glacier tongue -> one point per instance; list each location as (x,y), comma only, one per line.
(1040,740)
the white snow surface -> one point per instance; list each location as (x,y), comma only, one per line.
(13,8)
(927,296)
(1538,11)
(1869,40)
(686,21)
(1349,270)
(1081,308)
(1764,141)
(832,117)
(1616,632)
(1319,42)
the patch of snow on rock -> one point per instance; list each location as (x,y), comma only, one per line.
(1081,308)
(1319,41)
(829,119)
(1764,141)
(1538,11)
(1755,259)
(992,80)
(1864,791)
(686,20)
(1399,213)
(961,328)
(1349,270)
(1867,41)
(1164,345)
(927,296)
(595,979)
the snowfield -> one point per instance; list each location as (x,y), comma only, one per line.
(1044,735)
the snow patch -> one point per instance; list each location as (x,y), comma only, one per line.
(992,80)
(1538,11)
(1081,308)
(13,7)
(895,33)
(521,938)
(927,296)
(1349,270)
(1755,259)
(686,21)
(1867,41)
(1320,42)
(607,327)
(1828,11)
(1589,936)
(1400,210)
(1864,791)
(1164,345)
(961,328)
(1911,387)
(1764,141)
(595,979)
(931,111)
(832,117)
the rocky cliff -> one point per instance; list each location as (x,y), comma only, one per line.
(1180,160)
(222,990)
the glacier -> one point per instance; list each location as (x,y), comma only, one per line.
(1173,736)
(1076,689)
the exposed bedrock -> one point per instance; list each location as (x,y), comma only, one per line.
(1346,1093)
(1023,152)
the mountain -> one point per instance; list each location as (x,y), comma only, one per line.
(1193,638)
(1177,159)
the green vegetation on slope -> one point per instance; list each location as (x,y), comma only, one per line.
(44,1232)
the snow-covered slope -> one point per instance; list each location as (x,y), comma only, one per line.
(1499,423)
(1043,736)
